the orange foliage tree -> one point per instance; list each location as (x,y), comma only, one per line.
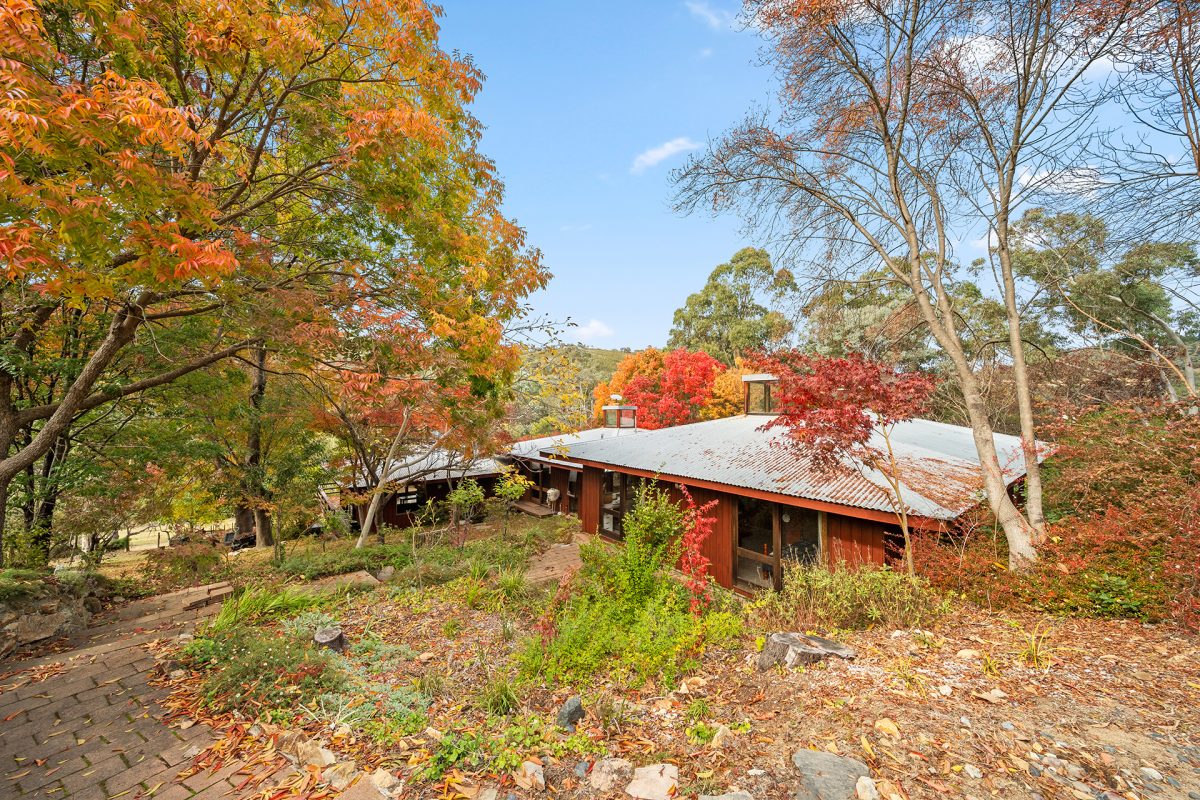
(174,173)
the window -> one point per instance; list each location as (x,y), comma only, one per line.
(616,497)
(758,398)
(408,498)
(771,536)
(573,492)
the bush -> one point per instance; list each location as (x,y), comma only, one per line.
(16,584)
(625,616)
(258,671)
(850,598)
(339,562)
(265,602)
(188,564)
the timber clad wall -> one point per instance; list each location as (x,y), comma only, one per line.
(589,498)
(719,547)
(560,479)
(854,541)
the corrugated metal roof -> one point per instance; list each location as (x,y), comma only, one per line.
(553,449)
(938,463)
(440,465)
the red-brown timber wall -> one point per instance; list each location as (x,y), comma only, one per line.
(589,499)
(853,541)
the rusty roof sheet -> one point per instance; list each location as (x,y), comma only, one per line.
(938,463)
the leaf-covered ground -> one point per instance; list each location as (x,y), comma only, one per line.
(985,705)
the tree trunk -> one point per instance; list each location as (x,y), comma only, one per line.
(254,458)
(1033,474)
(1018,533)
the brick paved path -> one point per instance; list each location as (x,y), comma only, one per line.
(93,731)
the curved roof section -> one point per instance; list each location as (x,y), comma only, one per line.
(939,468)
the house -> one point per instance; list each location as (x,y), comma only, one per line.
(554,477)
(431,476)
(774,505)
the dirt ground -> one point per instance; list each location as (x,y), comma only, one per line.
(986,705)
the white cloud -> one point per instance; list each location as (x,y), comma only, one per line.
(662,152)
(594,329)
(715,18)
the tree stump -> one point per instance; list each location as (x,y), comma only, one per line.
(333,638)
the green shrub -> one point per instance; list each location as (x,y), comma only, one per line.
(259,671)
(341,561)
(16,584)
(633,636)
(265,602)
(188,564)
(499,697)
(652,530)
(453,750)
(850,598)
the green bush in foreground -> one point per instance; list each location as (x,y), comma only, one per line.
(849,598)
(626,617)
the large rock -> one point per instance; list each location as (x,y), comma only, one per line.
(570,714)
(655,782)
(728,796)
(609,773)
(825,776)
(311,753)
(796,649)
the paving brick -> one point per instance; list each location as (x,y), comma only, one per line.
(136,774)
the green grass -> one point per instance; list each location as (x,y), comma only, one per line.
(259,603)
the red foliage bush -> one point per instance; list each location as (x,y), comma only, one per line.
(1123,499)
(697,527)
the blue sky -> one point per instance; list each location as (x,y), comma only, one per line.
(587,110)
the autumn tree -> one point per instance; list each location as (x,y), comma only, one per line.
(647,364)
(839,413)
(171,167)
(745,306)
(679,394)
(901,124)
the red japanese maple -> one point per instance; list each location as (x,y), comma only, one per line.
(697,527)
(831,407)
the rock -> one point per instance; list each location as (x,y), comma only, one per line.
(825,776)
(333,638)
(570,713)
(1008,726)
(945,690)
(185,638)
(864,789)
(994,696)
(340,775)
(530,776)
(581,770)
(383,780)
(756,773)
(608,773)
(720,737)
(794,649)
(489,793)
(177,674)
(361,578)
(385,574)
(655,782)
(728,796)
(309,752)
(973,771)
(1150,773)
(288,742)
(968,654)
(93,604)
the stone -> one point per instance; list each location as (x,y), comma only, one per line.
(289,742)
(945,690)
(359,579)
(1150,773)
(340,775)
(385,574)
(333,638)
(570,713)
(756,773)
(887,727)
(488,793)
(967,654)
(865,789)
(655,782)
(581,770)
(383,780)
(309,752)
(973,771)
(825,776)
(531,775)
(608,773)
(720,737)
(728,796)
(795,649)
(1008,726)
(177,674)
